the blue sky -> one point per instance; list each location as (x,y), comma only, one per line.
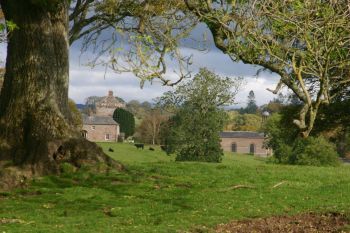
(85,82)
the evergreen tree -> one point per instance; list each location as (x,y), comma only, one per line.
(251,105)
(126,121)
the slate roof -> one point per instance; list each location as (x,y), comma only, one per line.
(241,134)
(98,120)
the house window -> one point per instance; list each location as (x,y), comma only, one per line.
(252,149)
(84,133)
(234,147)
(107,136)
(93,127)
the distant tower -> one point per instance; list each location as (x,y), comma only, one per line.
(107,105)
(264,116)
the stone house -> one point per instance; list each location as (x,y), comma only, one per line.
(100,129)
(244,142)
(107,105)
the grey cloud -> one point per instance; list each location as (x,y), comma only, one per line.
(86,82)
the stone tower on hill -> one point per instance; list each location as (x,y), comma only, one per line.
(107,105)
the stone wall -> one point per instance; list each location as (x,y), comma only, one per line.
(243,145)
(97,133)
(103,111)
(107,105)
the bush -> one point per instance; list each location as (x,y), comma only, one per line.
(201,152)
(283,153)
(290,149)
(314,151)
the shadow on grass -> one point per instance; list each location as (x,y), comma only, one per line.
(86,191)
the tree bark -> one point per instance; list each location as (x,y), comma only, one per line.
(35,123)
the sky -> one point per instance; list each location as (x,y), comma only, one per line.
(85,82)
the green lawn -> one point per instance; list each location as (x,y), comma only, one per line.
(156,194)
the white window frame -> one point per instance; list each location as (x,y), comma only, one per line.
(107,137)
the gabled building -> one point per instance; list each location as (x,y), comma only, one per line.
(244,142)
(107,105)
(100,128)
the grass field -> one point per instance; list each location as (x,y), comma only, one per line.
(156,194)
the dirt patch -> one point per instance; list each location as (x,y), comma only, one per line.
(308,223)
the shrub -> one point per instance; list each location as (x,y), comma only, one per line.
(283,153)
(290,149)
(314,151)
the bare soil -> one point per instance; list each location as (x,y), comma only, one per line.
(303,223)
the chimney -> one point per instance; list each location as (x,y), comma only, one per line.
(110,93)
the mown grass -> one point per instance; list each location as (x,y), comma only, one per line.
(156,194)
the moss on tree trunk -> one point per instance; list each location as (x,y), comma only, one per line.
(36,127)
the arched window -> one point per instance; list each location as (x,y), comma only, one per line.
(84,133)
(252,148)
(234,147)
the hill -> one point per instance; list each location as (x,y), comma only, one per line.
(156,194)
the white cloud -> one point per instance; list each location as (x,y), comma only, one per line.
(85,82)
(259,86)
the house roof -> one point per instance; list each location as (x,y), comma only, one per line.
(109,101)
(98,120)
(241,134)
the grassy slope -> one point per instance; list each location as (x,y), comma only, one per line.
(160,195)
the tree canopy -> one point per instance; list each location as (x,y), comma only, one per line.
(305,42)
(199,118)
(126,121)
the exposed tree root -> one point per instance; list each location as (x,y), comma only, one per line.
(78,152)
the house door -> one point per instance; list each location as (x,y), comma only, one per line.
(252,149)
(234,147)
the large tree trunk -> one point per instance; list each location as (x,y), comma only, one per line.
(36,127)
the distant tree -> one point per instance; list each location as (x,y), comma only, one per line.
(305,42)
(194,130)
(150,127)
(276,104)
(126,121)
(133,106)
(146,105)
(75,113)
(140,110)
(245,122)
(251,104)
